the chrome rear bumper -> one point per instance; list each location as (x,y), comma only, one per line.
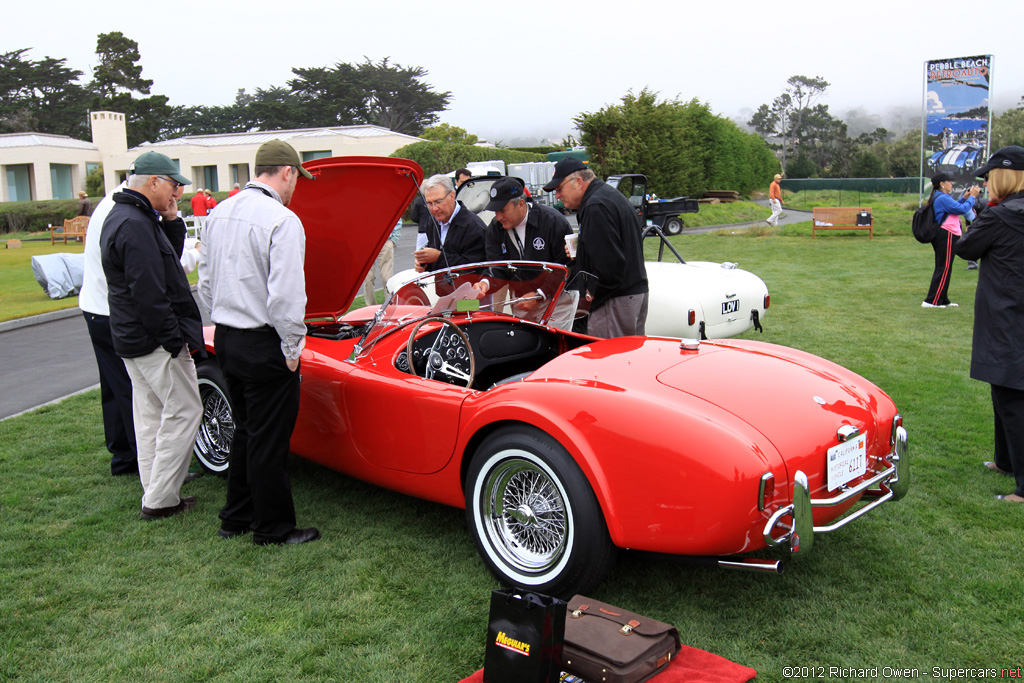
(798,535)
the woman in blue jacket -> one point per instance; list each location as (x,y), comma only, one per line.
(947,215)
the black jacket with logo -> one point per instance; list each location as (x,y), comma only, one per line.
(545,238)
(996,239)
(151,303)
(610,244)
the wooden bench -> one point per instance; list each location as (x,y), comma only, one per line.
(73,227)
(842,218)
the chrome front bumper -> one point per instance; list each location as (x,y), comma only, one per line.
(798,535)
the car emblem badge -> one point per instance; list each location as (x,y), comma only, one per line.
(819,400)
(538,243)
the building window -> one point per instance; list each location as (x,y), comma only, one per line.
(19,182)
(309,156)
(208,176)
(239,174)
(60,181)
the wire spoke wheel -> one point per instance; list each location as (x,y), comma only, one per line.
(217,426)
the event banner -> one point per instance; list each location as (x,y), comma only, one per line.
(957,117)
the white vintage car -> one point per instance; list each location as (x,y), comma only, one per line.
(688,299)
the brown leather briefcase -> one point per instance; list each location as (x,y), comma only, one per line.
(606,644)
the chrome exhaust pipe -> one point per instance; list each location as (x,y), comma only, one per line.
(753,565)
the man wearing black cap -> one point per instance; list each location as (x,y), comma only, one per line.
(154,322)
(610,247)
(997,353)
(523,230)
(251,279)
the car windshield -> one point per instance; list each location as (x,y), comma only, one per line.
(528,290)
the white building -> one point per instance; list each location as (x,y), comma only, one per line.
(37,166)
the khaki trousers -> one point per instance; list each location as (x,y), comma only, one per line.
(167,411)
(385,265)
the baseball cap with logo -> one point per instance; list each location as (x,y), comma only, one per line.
(1010,158)
(280,153)
(154,163)
(563,168)
(502,192)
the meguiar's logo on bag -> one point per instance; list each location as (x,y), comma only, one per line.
(515,645)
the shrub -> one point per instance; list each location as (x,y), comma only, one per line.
(35,216)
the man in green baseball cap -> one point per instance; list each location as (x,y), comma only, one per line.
(154,324)
(155,163)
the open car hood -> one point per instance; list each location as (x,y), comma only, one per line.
(348,211)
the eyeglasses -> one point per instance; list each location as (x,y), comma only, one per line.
(562,184)
(172,181)
(440,201)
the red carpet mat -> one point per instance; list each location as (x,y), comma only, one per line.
(689,666)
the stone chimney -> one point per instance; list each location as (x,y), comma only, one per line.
(109,133)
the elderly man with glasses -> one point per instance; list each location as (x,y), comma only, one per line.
(154,323)
(610,247)
(456,234)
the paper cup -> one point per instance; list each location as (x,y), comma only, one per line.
(570,242)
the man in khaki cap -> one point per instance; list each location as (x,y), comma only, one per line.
(251,280)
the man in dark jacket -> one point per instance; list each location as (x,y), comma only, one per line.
(153,322)
(610,247)
(523,231)
(456,234)
(996,238)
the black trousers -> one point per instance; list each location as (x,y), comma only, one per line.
(115,397)
(265,403)
(1008,406)
(943,245)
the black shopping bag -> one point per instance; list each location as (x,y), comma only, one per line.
(524,637)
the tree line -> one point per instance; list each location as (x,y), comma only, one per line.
(47,96)
(812,143)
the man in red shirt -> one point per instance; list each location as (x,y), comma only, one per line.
(199,209)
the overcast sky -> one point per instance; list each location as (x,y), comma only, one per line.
(525,68)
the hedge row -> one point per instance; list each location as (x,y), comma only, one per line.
(36,216)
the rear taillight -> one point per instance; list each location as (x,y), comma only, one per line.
(766,492)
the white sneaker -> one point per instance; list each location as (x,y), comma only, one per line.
(925,304)
(951,305)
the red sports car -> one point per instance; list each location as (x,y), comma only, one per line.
(562,448)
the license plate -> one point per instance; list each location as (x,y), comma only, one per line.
(730,306)
(847,461)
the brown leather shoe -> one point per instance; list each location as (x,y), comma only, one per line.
(184,505)
(192,476)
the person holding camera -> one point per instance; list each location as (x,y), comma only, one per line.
(947,214)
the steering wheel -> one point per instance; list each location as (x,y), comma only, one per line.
(450,356)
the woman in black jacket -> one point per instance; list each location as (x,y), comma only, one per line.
(997,239)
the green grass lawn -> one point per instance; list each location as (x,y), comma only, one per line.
(20,294)
(396,592)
